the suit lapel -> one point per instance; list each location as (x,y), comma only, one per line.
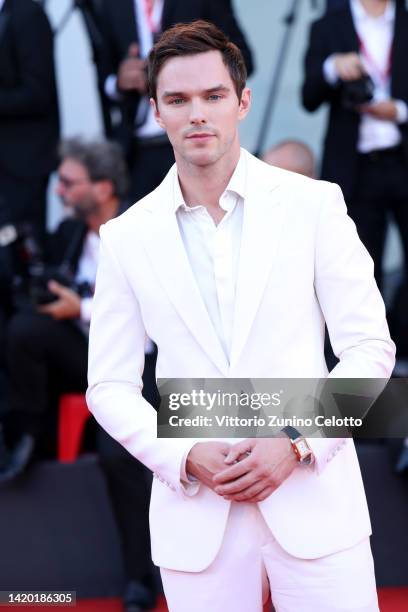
(259,242)
(165,249)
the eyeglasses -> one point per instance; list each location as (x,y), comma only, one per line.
(68,183)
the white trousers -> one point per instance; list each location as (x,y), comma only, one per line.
(251,563)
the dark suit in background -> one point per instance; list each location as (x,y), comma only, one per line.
(29,120)
(149,162)
(375,183)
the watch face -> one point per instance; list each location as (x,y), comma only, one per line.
(303,447)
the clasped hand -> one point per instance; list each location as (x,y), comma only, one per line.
(66,306)
(247,471)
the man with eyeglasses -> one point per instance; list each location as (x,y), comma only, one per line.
(47,336)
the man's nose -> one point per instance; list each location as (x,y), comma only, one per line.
(197,114)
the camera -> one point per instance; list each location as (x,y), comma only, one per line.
(30,275)
(355,93)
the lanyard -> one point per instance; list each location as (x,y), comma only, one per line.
(383,74)
(152,13)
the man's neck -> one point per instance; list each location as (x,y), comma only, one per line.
(375,8)
(205,184)
(106,211)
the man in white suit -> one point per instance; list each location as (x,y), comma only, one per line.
(232,267)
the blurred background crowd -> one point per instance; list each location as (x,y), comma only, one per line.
(79,144)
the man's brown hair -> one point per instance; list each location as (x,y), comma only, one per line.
(189,39)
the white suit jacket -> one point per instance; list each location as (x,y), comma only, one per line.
(301,264)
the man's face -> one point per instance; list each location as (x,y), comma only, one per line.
(75,188)
(198,107)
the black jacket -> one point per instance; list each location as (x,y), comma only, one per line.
(118,26)
(335,33)
(29,124)
(65,245)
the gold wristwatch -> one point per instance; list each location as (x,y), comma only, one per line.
(300,446)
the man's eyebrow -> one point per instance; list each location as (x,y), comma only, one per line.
(171,94)
(217,88)
(174,94)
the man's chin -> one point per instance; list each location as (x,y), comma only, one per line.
(202,158)
(83,212)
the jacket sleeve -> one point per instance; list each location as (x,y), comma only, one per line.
(116,361)
(351,304)
(315,89)
(33,90)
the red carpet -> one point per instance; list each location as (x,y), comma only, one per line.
(391,600)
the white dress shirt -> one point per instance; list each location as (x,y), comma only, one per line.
(213,250)
(1,4)
(86,272)
(377,36)
(149,128)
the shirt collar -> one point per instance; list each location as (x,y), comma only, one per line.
(237,185)
(1,4)
(359,13)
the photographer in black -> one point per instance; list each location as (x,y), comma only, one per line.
(356,63)
(47,345)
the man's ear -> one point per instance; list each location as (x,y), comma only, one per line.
(156,112)
(245,103)
(103,190)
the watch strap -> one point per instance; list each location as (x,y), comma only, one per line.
(291,432)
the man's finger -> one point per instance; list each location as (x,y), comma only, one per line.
(57,288)
(234,471)
(353,73)
(266,492)
(50,309)
(47,309)
(237,486)
(241,448)
(133,50)
(249,493)
(262,495)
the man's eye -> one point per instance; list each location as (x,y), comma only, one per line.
(177,101)
(214,97)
